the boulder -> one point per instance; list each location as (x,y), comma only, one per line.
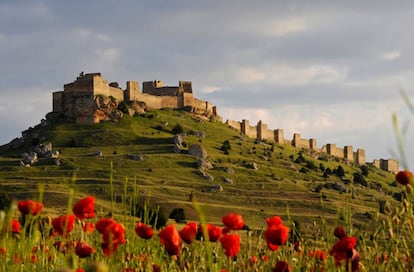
(216,188)
(198,151)
(29,159)
(204,164)
(228,180)
(97,153)
(205,175)
(229,170)
(178,139)
(177,148)
(252,165)
(137,157)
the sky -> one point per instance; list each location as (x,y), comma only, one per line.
(334,71)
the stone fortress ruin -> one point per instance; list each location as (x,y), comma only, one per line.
(347,153)
(91,99)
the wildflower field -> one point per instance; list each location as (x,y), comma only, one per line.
(82,239)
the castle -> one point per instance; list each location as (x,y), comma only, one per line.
(91,99)
(87,98)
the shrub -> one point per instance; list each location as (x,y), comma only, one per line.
(226,147)
(178,215)
(364,170)
(339,171)
(5,201)
(177,129)
(359,179)
(150,214)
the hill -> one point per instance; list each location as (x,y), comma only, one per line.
(256,178)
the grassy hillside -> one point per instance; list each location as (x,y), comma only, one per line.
(288,181)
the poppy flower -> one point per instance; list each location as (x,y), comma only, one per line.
(232,222)
(171,240)
(318,254)
(114,234)
(85,208)
(103,223)
(63,225)
(31,207)
(84,250)
(404,177)
(188,233)
(339,233)
(281,266)
(144,231)
(88,227)
(231,244)
(213,232)
(342,249)
(274,221)
(15,226)
(276,234)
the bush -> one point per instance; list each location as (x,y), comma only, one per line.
(359,179)
(151,215)
(5,201)
(177,129)
(364,170)
(339,171)
(226,147)
(178,215)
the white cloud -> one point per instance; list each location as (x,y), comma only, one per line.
(210,89)
(249,75)
(392,55)
(108,55)
(286,26)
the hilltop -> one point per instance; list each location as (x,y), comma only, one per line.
(253,177)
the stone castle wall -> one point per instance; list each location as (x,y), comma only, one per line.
(263,133)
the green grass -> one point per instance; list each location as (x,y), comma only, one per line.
(276,187)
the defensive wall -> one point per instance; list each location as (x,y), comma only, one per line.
(82,93)
(261,131)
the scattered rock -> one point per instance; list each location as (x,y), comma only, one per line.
(216,188)
(204,164)
(97,153)
(29,159)
(178,139)
(198,151)
(252,165)
(137,157)
(228,180)
(205,175)
(229,170)
(177,148)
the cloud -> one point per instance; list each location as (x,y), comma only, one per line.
(210,89)
(392,55)
(280,28)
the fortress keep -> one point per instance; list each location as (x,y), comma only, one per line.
(90,98)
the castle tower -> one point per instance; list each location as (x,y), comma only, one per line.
(296,140)
(360,156)
(261,130)
(331,149)
(279,138)
(245,126)
(348,153)
(132,91)
(312,144)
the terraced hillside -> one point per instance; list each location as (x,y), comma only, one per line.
(138,158)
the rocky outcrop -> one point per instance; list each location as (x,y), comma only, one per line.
(29,159)
(198,151)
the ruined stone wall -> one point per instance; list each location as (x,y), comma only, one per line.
(152,102)
(170,102)
(101,87)
(157,88)
(389,165)
(299,142)
(250,131)
(279,136)
(234,124)
(359,156)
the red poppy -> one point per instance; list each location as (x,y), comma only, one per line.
(233,222)
(84,250)
(318,254)
(156,268)
(339,232)
(213,232)
(27,207)
(188,233)
(114,233)
(274,221)
(342,249)
(85,208)
(144,231)
(231,244)
(88,227)
(276,234)
(63,225)
(103,223)
(404,177)
(171,240)
(281,266)
(15,226)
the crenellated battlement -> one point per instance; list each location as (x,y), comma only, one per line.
(78,100)
(261,131)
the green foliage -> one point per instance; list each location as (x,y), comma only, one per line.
(5,200)
(226,147)
(150,214)
(339,171)
(359,179)
(177,129)
(178,214)
(364,170)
